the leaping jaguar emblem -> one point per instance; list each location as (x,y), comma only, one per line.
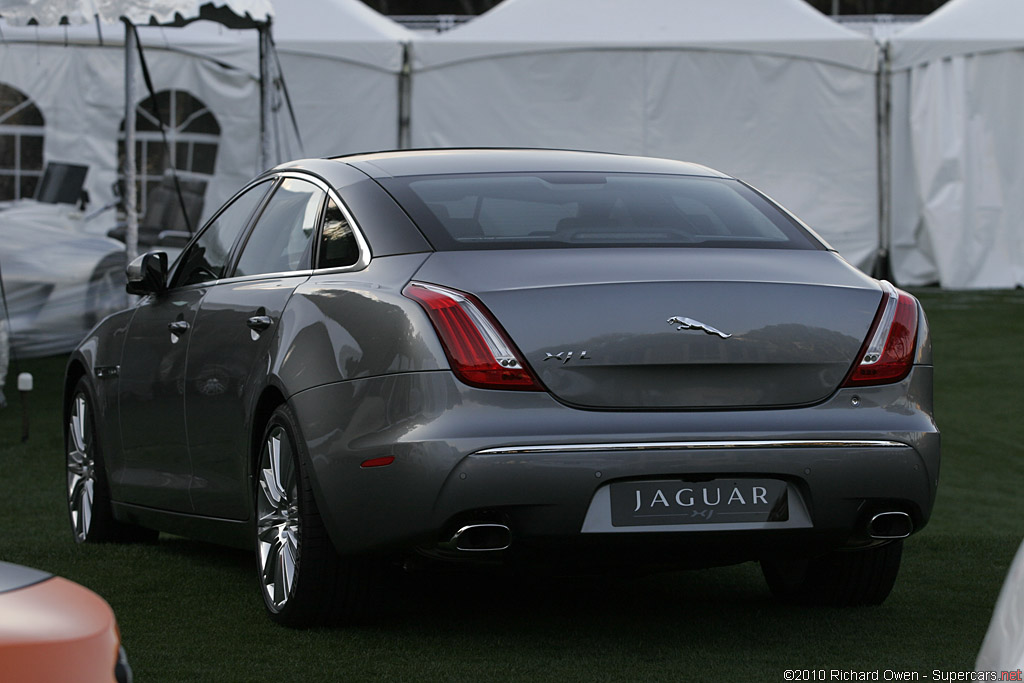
(691,324)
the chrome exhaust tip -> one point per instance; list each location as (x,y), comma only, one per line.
(890,525)
(476,538)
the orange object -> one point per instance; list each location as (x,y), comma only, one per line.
(53,630)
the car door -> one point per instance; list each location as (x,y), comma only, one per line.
(232,343)
(154,468)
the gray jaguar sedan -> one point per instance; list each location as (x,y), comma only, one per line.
(586,362)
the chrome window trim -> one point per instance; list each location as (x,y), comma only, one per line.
(365,256)
(692,445)
(305,272)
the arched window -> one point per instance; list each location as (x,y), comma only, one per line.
(192,137)
(21,144)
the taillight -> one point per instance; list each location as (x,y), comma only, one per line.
(889,353)
(478,350)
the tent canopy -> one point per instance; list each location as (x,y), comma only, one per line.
(345,30)
(788,28)
(342,63)
(54,12)
(961,27)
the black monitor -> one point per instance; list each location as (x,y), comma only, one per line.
(61,183)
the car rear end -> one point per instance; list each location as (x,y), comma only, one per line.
(644,365)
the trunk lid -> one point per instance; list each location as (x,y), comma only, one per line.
(673,328)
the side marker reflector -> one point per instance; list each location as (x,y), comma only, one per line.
(378,462)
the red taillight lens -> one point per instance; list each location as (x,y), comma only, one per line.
(479,351)
(889,353)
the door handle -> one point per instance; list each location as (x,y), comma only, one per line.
(178,328)
(258,323)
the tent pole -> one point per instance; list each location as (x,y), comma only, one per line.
(131,237)
(404,95)
(265,82)
(883,267)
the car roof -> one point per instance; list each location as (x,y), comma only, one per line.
(496,160)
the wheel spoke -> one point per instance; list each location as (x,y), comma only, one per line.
(78,424)
(76,486)
(270,476)
(284,572)
(85,508)
(268,560)
(275,465)
(289,558)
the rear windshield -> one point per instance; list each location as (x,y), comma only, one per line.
(530,210)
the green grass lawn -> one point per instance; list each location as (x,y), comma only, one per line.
(190,611)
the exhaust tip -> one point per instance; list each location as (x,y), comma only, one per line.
(481,538)
(890,525)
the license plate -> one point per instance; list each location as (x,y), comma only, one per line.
(644,503)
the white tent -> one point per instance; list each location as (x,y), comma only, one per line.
(958,147)
(768,90)
(63,91)
(248,13)
(78,87)
(342,64)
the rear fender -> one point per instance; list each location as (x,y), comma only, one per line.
(347,325)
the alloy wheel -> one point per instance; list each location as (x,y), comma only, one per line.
(277,522)
(81,468)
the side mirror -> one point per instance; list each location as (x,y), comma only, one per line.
(147,274)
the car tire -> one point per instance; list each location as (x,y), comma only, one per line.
(88,493)
(849,578)
(303,580)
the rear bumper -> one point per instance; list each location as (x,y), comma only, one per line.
(561,500)
(464,455)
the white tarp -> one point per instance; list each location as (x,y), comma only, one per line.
(58,281)
(1003,646)
(57,284)
(768,90)
(958,147)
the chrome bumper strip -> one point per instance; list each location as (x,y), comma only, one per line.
(690,446)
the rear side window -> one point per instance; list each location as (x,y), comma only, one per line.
(338,245)
(530,210)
